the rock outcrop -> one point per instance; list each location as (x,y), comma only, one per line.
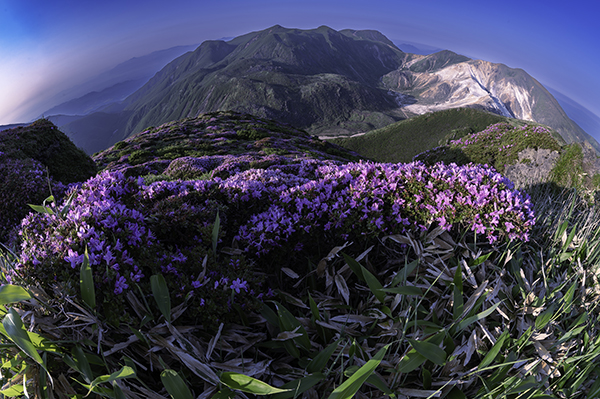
(533,167)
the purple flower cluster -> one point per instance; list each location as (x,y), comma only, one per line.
(370,199)
(101,220)
(132,230)
(22,182)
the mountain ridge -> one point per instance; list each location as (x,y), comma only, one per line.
(328,82)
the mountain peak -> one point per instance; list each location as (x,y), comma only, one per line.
(368,34)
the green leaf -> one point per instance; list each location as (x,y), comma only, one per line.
(42,209)
(463,324)
(241,382)
(13,391)
(400,277)
(15,330)
(480,260)
(569,239)
(117,391)
(124,372)
(378,383)
(161,295)
(175,385)
(456,393)
(430,351)
(225,393)
(411,361)
(314,309)
(83,366)
(458,294)
(544,318)
(287,322)
(13,293)
(366,276)
(491,355)
(320,361)
(298,387)
(354,266)
(215,233)
(86,282)
(426,378)
(404,290)
(374,284)
(349,388)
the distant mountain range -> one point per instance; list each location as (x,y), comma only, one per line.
(116,84)
(324,81)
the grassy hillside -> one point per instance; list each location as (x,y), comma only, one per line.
(401,141)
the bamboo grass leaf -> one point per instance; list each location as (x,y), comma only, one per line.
(480,259)
(224,393)
(401,276)
(175,385)
(320,361)
(482,315)
(83,366)
(458,294)
(124,372)
(354,266)
(117,391)
(374,285)
(314,309)
(378,383)
(430,351)
(13,293)
(297,387)
(289,323)
(544,318)
(15,330)
(366,276)
(161,295)
(411,361)
(493,352)
(404,290)
(244,383)
(86,282)
(42,209)
(215,234)
(349,388)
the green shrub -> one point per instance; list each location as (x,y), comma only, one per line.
(569,168)
(139,156)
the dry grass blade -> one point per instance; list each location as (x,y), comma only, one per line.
(213,341)
(119,347)
(202,370)
(419,393)
(340,283)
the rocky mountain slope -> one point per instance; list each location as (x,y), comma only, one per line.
(326,82)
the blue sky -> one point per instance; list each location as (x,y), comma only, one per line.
(49,46)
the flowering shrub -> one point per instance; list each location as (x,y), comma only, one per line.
(498,145)
(22,182)
(132,231)
(361,200)
(226,141)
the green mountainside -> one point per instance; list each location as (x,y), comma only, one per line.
(401,141)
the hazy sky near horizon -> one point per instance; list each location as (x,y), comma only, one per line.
(47,47)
